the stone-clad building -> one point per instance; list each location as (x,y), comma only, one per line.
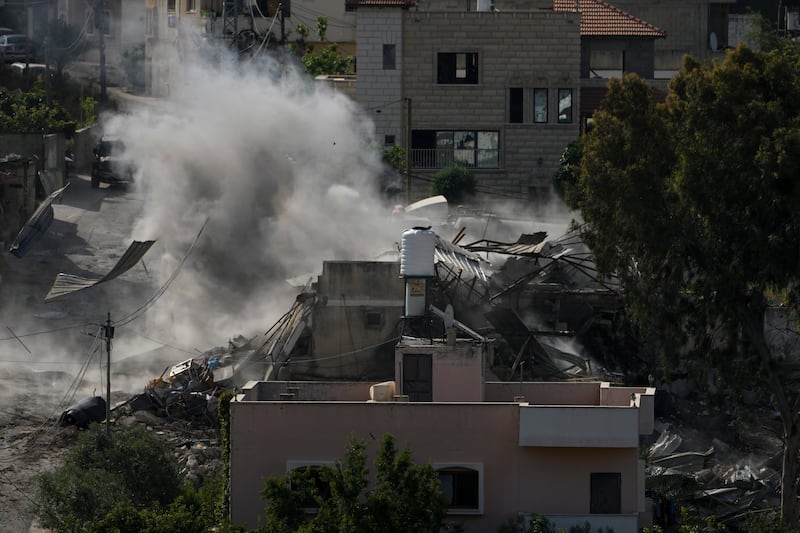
(495,87)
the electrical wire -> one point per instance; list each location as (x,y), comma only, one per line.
(21,336)
(68,396)
(346,354)
(147,304)
(315,13)
(265,41)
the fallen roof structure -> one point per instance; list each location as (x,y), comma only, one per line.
(67,283)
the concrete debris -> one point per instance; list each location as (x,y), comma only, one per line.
(714,481)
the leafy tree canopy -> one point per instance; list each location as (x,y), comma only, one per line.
(327,60)
(407,497)
(28,112)
(128,469)
(693,205)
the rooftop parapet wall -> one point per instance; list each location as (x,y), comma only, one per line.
(545,392)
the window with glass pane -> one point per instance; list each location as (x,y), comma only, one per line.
(464,147)
(456,68)
(460,487)
(540,106)
(565,106)
(190,6)
(389,55)
(488,153)
(171,5)
(516,105)
(444,148)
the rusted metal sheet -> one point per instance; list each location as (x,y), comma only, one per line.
(68,283)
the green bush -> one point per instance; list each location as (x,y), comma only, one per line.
(103,473)
(454,182)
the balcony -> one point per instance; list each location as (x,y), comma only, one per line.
(436,158)
(578,426)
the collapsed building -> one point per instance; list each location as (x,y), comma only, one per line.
(514,329)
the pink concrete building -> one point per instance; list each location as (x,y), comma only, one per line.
(565,450)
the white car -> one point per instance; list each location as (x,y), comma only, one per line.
(15,47)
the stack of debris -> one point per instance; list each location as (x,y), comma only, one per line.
(686,468)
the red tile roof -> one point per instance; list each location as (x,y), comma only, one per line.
(601,19)
(380,3)
(592,97)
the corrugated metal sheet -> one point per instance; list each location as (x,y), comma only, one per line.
(36,226)
(68,283)
(457,257)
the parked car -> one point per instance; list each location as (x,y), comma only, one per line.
(15,47)
(6,31)
(110,166)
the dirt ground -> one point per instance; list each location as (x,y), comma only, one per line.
(49,357)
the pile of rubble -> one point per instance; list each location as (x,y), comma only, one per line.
(706,460)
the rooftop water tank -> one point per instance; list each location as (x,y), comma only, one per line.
(416,255)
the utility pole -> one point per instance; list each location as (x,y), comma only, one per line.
(109,331)
(47,70)
(408,151)
(102,44)
(283,26)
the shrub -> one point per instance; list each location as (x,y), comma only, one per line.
(453,182)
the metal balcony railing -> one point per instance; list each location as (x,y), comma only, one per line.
(442,157)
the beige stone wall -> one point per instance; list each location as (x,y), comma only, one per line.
(516,49)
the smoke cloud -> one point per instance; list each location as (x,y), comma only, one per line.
(285,175)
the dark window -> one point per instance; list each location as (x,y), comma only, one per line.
(606,493)
(455,68)
(516,105)
(461,488)
(389,54)
(388,140)
(373,319)
(439,148)
(171,5)
(190,6)
(565,106)
(540,106)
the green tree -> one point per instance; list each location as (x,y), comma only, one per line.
(128,467)
(454,182)
(569,165)
(407,497)
(693,205)
(327,60)
(29,112)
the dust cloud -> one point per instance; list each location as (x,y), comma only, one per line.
(283,171)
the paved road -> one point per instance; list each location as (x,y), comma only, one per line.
(38,369)
(90,232)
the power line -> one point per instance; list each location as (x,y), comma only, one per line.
(145,306)
(23,335)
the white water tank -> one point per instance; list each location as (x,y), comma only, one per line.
(416,255)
